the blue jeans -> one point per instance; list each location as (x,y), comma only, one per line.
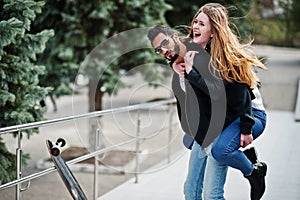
(226,146)
(206,176)
(210,185)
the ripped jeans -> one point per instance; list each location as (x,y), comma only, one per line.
(205,175)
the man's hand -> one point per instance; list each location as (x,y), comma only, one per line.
(246,140)
(189,60)
(179,69)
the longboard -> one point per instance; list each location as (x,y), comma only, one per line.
(63,169)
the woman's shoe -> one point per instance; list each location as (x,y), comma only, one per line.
(257,180)
(251,155)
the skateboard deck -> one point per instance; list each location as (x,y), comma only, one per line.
(63,169)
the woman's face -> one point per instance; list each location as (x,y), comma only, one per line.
(202,29)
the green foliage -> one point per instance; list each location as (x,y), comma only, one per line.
(19,90)
(8,163)
(280,28)
(291,18)
(19,74)
(82,25)
(183,13)
(269,31)
(295,15)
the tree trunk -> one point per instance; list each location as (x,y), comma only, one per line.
(95,104)
(95,95)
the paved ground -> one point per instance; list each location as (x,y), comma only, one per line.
(278,145)
(279,81)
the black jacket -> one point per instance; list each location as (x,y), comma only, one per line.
(210,104)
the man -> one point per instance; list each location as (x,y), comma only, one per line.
(195,113)
(204,108)
(199,104)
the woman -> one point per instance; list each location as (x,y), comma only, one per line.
(210,29)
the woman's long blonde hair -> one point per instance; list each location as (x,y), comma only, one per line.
(228,55)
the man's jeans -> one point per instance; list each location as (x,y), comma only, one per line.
(212,183)
(225,147)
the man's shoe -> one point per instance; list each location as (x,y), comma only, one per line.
(251,155)
(257,180)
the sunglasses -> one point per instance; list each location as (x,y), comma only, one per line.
(163,44)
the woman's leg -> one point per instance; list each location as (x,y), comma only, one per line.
(225,149)
(194,182)
(260,117)
(214,178)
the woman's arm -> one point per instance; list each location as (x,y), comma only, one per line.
(198,74)
(239,98)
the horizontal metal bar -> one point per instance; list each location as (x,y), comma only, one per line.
(107,149)
(87,156)
(70,162)
(74,161)
(21,127)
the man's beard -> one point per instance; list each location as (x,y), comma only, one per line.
(174,58)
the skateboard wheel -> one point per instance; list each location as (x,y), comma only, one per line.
(55,151)
(60,141)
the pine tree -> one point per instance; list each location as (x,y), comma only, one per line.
(20,93)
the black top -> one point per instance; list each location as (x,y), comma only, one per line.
(210,103)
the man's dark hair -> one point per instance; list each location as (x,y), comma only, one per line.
(154,31)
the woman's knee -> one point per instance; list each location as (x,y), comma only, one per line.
(218,153)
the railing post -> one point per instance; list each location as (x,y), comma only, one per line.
(96,163)
(137,150)
(19,166)
(19,182)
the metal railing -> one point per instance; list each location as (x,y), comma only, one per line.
(19,128)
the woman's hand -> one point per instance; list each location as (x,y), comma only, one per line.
(246,140)
(189,60)
(179,69)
